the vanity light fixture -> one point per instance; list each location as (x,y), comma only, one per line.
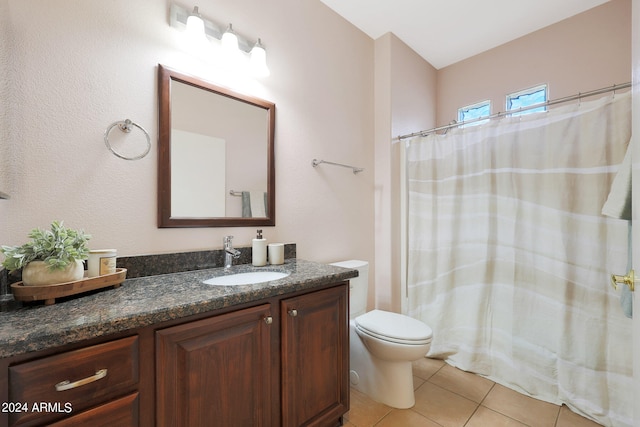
(233,44)
(195,24)
(230,40)
(258,60)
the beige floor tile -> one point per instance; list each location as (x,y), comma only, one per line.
(568,418)
(364,411)
(528,410)
(405,418)
(466,384)
(485,417)
(442,406)
(425,367)
(449,398)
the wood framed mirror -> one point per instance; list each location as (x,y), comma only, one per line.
(215,155)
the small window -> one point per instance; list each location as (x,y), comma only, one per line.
(473,112)
(526,98)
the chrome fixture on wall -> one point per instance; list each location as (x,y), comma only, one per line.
(126,126)
(356,170)
(199,28)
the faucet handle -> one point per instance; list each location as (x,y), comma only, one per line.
(227,239)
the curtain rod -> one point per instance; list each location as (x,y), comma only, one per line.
(530,107)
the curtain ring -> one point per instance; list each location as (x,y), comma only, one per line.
(126,126)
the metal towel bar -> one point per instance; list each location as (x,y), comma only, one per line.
(316,162)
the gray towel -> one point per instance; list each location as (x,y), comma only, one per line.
(626,296)
(618,204)
(626,301)
(246,204)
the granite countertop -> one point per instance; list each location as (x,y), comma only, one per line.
(144,301)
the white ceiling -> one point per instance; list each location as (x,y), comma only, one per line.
(446,31)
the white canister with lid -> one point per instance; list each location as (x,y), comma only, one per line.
(276,253)
(101,262)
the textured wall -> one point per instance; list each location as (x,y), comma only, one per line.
(405,86)
(585,52)
(5,160)
(78,66)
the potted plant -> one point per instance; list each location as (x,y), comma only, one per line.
(52,256)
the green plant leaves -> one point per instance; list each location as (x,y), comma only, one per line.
(58,247)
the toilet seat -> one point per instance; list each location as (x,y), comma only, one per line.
(394,327)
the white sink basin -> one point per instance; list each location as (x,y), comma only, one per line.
(246,278)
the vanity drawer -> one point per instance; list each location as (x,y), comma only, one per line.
(67,383)
(122,412)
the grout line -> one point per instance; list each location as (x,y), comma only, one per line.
(558,416)
(471,416)
(458,394)
(489,392)
(480,404)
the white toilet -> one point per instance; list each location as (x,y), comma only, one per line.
(382,345)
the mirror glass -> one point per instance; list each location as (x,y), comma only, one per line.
(216,155)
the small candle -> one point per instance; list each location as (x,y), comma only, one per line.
(101,262)
(276,253)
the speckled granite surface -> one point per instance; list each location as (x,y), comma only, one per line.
(147,300)
(151,265)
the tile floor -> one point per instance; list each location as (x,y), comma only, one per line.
(448,397)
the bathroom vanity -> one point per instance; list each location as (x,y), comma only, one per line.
(171,350)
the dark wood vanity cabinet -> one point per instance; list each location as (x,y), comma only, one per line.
(216,371)
(278,364)
(315,358)
(282,362)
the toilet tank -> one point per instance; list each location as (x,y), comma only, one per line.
(358,286)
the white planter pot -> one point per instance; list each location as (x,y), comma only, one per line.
(37,273)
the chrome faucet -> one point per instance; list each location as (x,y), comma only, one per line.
(229,253)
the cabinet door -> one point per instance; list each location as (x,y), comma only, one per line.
(315,358)
(216,371)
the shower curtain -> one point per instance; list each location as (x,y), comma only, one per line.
(509,256)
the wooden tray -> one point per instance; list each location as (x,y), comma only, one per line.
(49,293)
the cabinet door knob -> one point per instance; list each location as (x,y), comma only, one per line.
(268,320)
(293,313)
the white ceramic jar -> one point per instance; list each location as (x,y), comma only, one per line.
(37,273)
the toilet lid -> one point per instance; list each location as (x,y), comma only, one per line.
(394,327)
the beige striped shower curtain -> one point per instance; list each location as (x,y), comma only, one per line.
(509,256)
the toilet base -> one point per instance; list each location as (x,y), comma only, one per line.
(386,382)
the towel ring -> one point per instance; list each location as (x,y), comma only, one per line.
(126,126)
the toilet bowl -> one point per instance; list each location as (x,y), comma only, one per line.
(382,346)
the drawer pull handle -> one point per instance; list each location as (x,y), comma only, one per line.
(68,385)
(293,313)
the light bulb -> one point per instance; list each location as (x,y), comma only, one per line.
(258,60)
(195,24)
(230,40)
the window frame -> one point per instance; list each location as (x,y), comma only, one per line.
(478,120)
(530,107)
